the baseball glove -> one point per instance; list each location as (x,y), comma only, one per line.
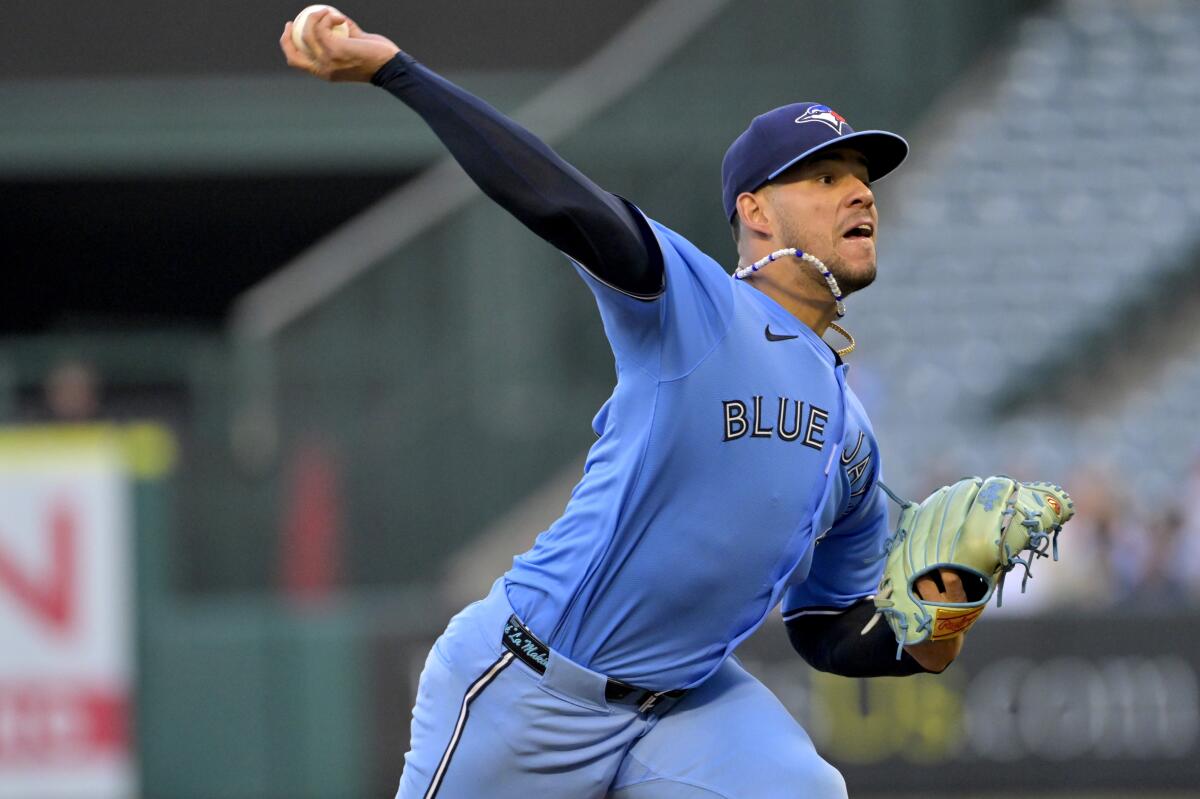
(981,529)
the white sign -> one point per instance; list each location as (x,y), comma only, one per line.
(66,616)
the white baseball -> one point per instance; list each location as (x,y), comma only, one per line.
(341,29)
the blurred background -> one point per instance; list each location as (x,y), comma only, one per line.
(280,391)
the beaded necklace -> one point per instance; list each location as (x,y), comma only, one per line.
(741,273)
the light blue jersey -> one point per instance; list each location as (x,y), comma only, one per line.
(733,466)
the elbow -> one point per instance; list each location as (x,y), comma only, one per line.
(810,648)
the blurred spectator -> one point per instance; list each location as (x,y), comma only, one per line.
(72,391)
(1156,583)
(1118,556)
(1187,565)
(1086,575)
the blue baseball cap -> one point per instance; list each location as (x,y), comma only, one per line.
(781,138)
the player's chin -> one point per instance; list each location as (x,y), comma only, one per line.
(857,250)
(857,266)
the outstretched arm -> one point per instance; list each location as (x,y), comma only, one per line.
(512,166)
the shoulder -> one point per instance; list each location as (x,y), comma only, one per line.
(674,243)
(685,263)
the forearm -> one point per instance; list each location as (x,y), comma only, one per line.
(529,180)
(935,656)
(835,643)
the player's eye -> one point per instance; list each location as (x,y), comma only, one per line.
(826,180)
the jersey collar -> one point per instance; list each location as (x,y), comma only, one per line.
(782,322)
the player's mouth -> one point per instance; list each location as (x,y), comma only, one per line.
(858,238)
(860,230)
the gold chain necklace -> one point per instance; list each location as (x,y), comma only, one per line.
(849,348)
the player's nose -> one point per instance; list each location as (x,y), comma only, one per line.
(860,194)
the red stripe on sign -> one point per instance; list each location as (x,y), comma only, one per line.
(58,723)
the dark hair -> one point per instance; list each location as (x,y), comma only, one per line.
(735,226)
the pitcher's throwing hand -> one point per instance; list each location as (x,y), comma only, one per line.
(353,58)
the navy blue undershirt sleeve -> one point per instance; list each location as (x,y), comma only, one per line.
(524,176)
(833,642)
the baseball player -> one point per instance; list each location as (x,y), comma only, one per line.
(734,470)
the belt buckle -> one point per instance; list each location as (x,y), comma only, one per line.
(651,700)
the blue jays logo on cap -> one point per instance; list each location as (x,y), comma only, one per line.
(826,116)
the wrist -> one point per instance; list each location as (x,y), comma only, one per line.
(936,656)
(393,67)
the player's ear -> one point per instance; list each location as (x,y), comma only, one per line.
(752,213)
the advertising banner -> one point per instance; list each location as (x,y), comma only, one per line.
(66,615)
(1035,705)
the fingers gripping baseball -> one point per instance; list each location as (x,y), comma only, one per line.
(354,56)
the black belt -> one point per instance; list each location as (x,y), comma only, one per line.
(533,653)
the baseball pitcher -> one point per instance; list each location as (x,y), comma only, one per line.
(734,470)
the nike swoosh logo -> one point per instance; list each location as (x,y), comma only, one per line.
(775,336)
